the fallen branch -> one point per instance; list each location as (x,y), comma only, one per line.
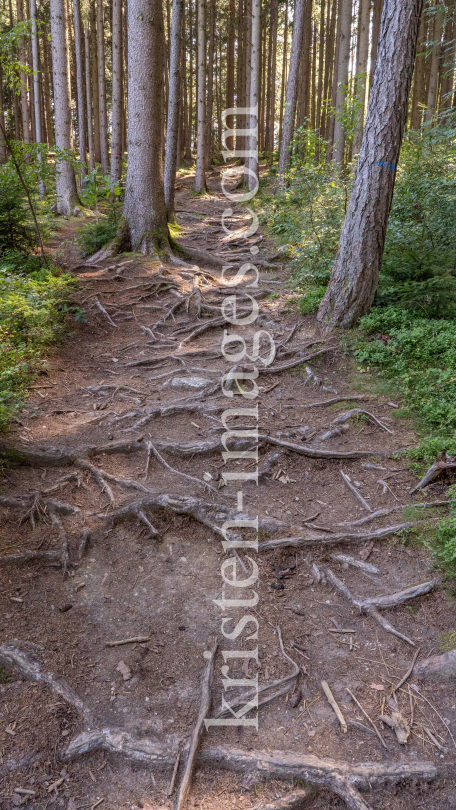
(323,540)
(438,467)
(133,640)
(382,512)
(205,705)
(334,705)
(104,312)
(407,674)
(355,492)
(344,417)
(333,401)
(313,452)
(363,566)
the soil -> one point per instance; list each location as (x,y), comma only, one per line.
(129,583)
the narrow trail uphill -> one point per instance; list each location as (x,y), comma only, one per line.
(112,505)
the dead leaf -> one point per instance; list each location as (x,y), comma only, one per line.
(124,670)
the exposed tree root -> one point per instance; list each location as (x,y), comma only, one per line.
(11,656)
(152,451)
(313,452)
(344,417)
(382,512)
(314,539)
(373,605)
(333,401)
(438,467)
(437,666)
(291,801)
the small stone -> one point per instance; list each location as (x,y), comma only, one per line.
(77,212)
(207,476)
(190,382)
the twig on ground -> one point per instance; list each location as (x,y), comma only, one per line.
(344,417)
(133,640)
(355,492)
(407,674)
(438,467)
(364,566)
(333,703)
(152,450)
(104,312)
(367,717)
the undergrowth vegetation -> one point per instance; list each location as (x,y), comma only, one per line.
(33,298)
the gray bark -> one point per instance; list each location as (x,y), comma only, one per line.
(104,151)
(26,133)
(89,101)
(210,85)
(361,68)
(145,225)
(200,175)
(292,87)
(354,278)
(342,79)
(172,130)
(254,92)
(67,195)
(80,88)
(434,69)
(94,81)
(376,20)
(117,95)
(36,84)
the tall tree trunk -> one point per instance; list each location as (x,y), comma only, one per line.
(304,77)
(332,118)
(321,48)
(47,90)
(313,92)
(361,70)
(329,64)
(80,88)
(449,58)
(117,94)
(254,94)
(188,140)
(102,90)
(231,34)
(145,225)
(271,78)
(94,81)
(89,101)
(200,174)
(418,79)
(342,79)
(354,278)
(36,84)
(434,68)
(284,73)
(3,154)
(292,88)
(26,130)
(172,131)
(67,195)
(376,20)
(210,85)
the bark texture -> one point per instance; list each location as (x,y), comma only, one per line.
(254,93)
(200,175)
(172,129)
(94,81)
(90,137)
(104,151)
(292,87)
(342,78)
(3,155)
(145,226)
(354,278)
(67,195)
(36,86)
(361,68)
(80,87)
(117,95)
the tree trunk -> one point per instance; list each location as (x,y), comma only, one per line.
(321,48)
(36,84)
(271,77)
(210,86)
(47,91)
(376,20)
(172,131)
(292,88)
(80,88)
(102,90)
(329,64)
(332,118)
(284,73)
(449,58)
(26,133)
(305,67)
(117,94)
(200,174)
(418,79)
(434,69)
(313,85)
(3,154)
(361,71)
(254,93)
(342,80)
(67,195)
(89,102)
(144,226)
(354,278)
(230,54)
(94,81)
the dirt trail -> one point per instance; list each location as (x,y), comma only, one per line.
(116,545)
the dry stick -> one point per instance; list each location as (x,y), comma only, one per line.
(151,450)
(439,716)
(344,417)
(407,674)
(133,640)
(434,741)
(332,702)
(367,718)
(174,773)
(198,731)
(333,401)
(355,492)
(105,313)
(24,185)
(382,512)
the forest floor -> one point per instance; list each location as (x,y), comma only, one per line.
(82,442)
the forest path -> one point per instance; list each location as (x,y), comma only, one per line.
(139,544)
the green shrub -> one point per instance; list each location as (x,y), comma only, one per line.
(17,232)
(310,301)
(92,237)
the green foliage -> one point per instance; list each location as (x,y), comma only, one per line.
(310,301)
(17,231)
(92,237)
(31,318)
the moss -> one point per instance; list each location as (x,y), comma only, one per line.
(447,640)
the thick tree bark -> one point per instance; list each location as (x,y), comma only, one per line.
(102,90)
(172,131)
(329,63)
(117,94)
(200,174)
(26,129)
(144,226)
(354,278)
(434,68)
(342,79)
(361,70)
(94,81)
(292,88)
(36,85)
(254,93)
(80,88)
(89,101)
(67,195)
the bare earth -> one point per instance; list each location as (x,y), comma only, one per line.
(126,579)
